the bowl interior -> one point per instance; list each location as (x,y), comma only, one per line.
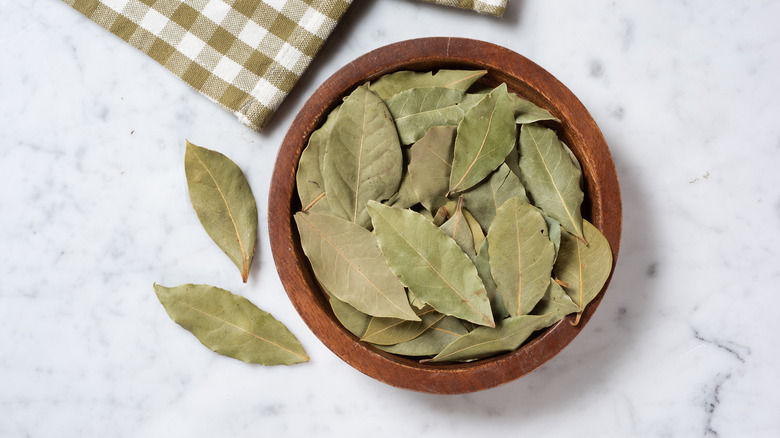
(602,207)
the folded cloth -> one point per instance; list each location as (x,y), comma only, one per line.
(492,7)
(245,55)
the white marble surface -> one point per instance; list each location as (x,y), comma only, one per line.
(94,209)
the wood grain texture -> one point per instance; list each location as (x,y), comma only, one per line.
(577,129)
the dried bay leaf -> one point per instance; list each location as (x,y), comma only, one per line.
(584,267)
(476,229)
(550,177)
(458,229)
(485,137)
(394,83)
(347,261)
(430,165)
(416,110)
(442,214)
(405,197)
(432,341)
(308,177)
(223,201)
(555,304)
(553,232)
(482,263)
(513,161)
(430,264)
(391,331)
(364,159)
(483,200)
(507,335)
(527,112)
(521,255)
(351,318)
(231,325)
(572,156)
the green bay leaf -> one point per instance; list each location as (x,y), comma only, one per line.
(476,229)
(457,227)
(527,112)
(584,267)
(391,331)
(351,318)
(430,264)
(550,176)
(521,255)
(555,304)
(364,159)
(485,137)
(308,177)
(483,200)
(430,166)
(231,325)
(432,341)
(394,83)
(223,201)
(405,197)
(347,261)
(482,263)
(507,335)
(553,232)
(416,110)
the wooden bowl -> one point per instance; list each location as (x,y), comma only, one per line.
(602,207)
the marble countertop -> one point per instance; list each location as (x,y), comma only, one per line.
(94,209)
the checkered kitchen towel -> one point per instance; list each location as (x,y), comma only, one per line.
(245,55)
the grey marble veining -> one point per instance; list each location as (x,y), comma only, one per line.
(94,210)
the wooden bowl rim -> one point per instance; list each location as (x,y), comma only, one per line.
(530,81)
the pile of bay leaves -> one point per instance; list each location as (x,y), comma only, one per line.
(436,230)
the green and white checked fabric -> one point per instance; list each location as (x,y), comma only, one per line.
(245,55)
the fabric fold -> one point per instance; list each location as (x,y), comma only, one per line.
(490,7)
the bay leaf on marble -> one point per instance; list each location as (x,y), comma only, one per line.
(521,255)
(430,264)
(230,324)
(555,304)
(485,136)
(391,331)
(308,177)
(432,341)
(482,263)
(364,159)
(550,177)
(430,166)
(394,83)
(223,201)
(528,112)
(584,267)
(458,229)
(417,110)
(351,318)
(507,335)
(483,200)
(347,261)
